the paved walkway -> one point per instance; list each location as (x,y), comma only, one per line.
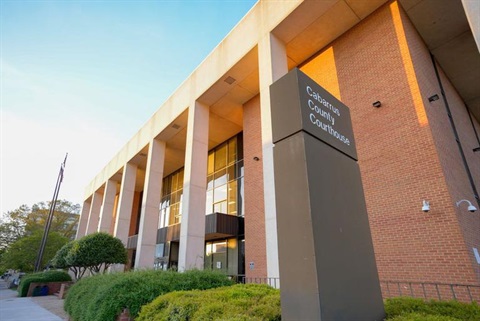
(13,308)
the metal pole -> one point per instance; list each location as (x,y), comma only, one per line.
(38,262)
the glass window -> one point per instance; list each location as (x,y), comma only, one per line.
(221,157)
(209,203)
(232,150)
(232,197)
(210,169)
(220,177)
(225,169)
(171,203)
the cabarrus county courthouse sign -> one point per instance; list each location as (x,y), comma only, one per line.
(326,259)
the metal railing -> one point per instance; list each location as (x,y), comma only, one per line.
(392,289)
(273,282)
(430,290)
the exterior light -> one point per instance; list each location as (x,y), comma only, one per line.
(377,104)
(426,206)
(470,207)
(433,98)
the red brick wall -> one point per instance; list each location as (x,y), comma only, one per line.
(134,217)
(255,245)
(402,148)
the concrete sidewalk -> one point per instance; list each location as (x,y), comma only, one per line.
(13,308)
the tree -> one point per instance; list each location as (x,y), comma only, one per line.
(25,221)
(92,252)
(12,227)
(22,253)
(59,260)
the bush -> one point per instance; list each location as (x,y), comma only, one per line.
(422,317)
(456,310)
(103,297)
(41,277)
(240,302)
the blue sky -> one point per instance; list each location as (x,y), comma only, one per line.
(83,76)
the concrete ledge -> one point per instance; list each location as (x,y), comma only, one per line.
(51,287)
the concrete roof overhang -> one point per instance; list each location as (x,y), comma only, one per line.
(229,76)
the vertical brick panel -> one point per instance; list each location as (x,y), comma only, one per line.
(403,157)
(255,244)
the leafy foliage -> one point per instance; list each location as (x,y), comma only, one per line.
(21,255)
(26,222)
(103,297)
(41,277)
(422,317)
(239,302)
(95,251)
(401,307)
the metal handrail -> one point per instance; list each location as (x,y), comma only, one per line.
(431,290)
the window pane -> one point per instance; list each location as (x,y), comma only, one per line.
(231,172)
(232,197)
(174,198)
(232,150)
(241,198)
(209,203)
(180,179)
(220,207)
(220,193)
(220,177)
(174,182)
(221,157)
(211,157)
(240,169)
(159,250)
(209,182)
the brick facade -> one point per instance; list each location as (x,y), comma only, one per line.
(255,245)
(407,152)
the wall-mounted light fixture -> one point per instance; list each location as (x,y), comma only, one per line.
(377,104)
(426,206)
(476,149)
(433,98)
(470,208)
(256,159)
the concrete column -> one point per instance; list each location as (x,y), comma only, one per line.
(192,232)
(107,207)
(82,224)
(147,235)
(125,202)
(272,63)
(92,224)
(472,11)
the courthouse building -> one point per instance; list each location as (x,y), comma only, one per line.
(194,188)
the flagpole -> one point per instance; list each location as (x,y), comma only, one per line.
(38,261)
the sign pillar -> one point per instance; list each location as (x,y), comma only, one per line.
(326,259)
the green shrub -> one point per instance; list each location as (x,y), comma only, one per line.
(41,277)
(457,310)
(241,302)
(103,297)
(422,317)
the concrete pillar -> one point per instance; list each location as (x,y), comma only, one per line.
(147,235)
(82,224)
(125,202)
(107,207)
(192,232)
(472,11)
(272,63)
(92,224)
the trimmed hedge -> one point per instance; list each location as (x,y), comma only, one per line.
(399,309)
(422,317)
(41,277)
(103,297)
(241,302)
